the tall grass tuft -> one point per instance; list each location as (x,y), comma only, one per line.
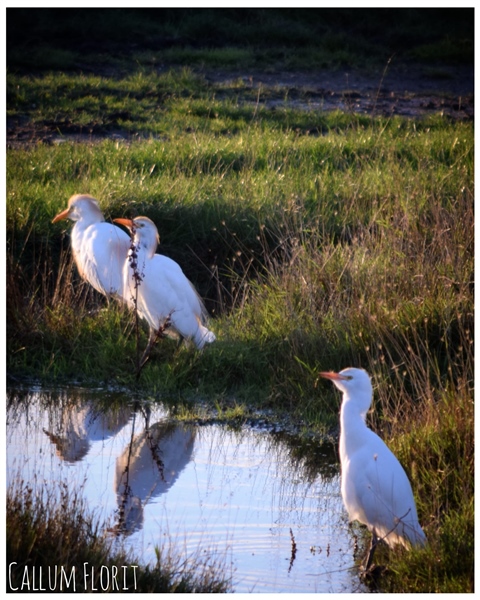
(47,530)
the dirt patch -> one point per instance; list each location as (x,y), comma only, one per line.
(412,92)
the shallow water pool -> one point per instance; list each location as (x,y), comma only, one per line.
(245,499)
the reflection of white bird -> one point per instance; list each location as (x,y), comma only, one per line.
(163,291)
(150,466)
(79,425)
(375,488)
(99,248)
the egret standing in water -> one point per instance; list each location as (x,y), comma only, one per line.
(157,288)
(99,248)
(375,488)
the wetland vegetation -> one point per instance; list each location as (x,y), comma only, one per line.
(318,239)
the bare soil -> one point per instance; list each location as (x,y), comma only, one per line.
(412,92)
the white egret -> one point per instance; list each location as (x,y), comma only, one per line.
(157,288)
(375,488)
(99,248)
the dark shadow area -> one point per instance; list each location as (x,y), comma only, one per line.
(349,35)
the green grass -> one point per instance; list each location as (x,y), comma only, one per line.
(318,241)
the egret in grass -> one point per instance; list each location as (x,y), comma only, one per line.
(99,248)
(157,288)
(375,488)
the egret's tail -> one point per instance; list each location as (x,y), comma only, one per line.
(204,336)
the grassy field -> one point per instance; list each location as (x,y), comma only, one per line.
(318,240)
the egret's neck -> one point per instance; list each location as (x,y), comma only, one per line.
(352,426)
(88,219)
(146,246)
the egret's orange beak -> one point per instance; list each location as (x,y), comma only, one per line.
(125,222)
(334,376)
(63,215)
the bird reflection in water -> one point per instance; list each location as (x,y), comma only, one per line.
(80,426)
(148,467)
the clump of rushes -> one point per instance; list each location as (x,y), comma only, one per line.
(137,278)
(44,531)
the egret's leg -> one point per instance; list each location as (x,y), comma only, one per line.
(155,334)
(151,342)
(373,544)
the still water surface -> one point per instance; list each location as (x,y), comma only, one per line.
(244,498)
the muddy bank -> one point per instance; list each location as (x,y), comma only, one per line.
(410,92)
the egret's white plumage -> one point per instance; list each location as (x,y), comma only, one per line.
(163,290)
(375,488)
(99,248)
